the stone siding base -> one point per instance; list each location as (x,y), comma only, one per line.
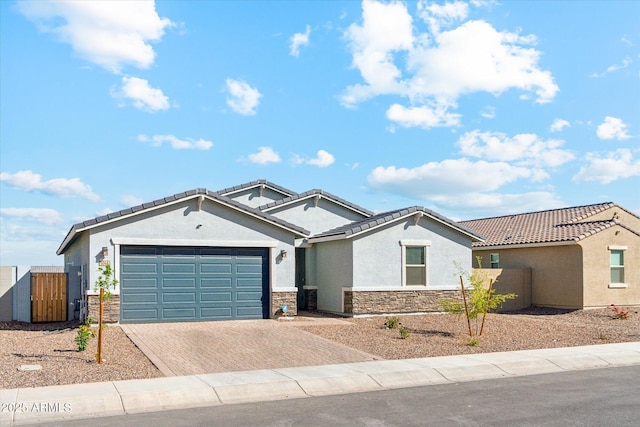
(280,298)
(380,302)
(110,308)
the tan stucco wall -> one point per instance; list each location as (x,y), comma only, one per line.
(621,215)
(509,281)
(597,292)
(556,272)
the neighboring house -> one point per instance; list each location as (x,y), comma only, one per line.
(580,257)
(248,251)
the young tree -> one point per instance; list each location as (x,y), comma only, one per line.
(477,299)
(104,282)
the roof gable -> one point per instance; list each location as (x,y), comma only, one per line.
(260,183)
(369,224)
(317,195)
(200,193)
(556,226)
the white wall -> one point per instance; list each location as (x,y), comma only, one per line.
(182,224)
(316,219)
(334,271)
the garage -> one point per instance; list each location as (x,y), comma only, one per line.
(179,284)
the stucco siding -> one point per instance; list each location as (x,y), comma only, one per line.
(556,272)
(251,197)
(621,215)
(597,274)
(182,224)
(378,256)
(334,271)
(325,216)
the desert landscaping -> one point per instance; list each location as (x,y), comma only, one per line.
(52,346)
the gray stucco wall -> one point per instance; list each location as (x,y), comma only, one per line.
(378,256)
(15,293)
(334,271)
(326,216)
(181,224)
(251,197)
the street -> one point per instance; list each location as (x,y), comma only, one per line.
(598,397)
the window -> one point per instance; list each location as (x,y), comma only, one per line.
(415,265)
(616,257)
(495,260)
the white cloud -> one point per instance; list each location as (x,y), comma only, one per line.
(424,117)
(524,149)
(129,200)
(176,143)
(298,40)
(29,181)
(558,125)
(111,34)
(144,97)
(41,215)
(613,68)
(491,204)
(243,98)
(323,159)
(612,128)
(616,165)
(458,176)
(488,112)
(265,155)
(436,63)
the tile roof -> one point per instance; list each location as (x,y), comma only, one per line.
(374,221)
(253,184)
(176,197)
(564,225)
(315,192)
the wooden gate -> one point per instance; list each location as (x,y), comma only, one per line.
(48,297)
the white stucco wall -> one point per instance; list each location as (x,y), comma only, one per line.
(378,256)
(181,224)
(326,216)
(334,271)
(251,197)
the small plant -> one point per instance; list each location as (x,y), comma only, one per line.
(473,342)
(619,313)
(602,336)
(404,332)
(84,334)
(392,322)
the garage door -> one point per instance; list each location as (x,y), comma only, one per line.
(165,284)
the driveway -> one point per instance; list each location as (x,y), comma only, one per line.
(237,345)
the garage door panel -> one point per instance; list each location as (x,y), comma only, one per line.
(178,268)
(218,283)
(139,268)
(144,298)
(178,283)
(221,268)
(183,284)
(216,297)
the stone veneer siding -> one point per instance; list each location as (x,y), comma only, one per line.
(405,301)
(279,298)
(111,308)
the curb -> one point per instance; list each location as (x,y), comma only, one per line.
(77,401)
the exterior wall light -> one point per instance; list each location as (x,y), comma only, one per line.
(283,254)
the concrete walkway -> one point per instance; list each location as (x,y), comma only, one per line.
(57,403)
(238,345)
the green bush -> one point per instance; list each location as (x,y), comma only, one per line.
(85,333)
(404,332)
(392,322)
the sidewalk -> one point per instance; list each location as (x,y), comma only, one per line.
(32,405)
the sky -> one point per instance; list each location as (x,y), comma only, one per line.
(471,109)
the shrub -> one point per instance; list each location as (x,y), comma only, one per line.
(404,332)
(619,313)
(84,334)
(392,322)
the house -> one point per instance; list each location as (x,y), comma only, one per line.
(258,250)
(580,257)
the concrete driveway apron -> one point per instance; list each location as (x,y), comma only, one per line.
(189,348)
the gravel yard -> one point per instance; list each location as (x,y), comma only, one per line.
(52,346)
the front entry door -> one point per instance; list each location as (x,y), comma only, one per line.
(301,272)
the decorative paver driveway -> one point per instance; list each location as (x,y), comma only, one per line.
(237,345)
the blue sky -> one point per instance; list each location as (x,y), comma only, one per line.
(470,109)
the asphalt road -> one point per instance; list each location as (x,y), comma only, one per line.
(598,397)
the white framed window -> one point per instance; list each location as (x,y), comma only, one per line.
(415,257)
(494,260)
(616,259)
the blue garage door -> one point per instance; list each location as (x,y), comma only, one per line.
(179,284)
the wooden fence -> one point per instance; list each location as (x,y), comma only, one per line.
(48,297)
